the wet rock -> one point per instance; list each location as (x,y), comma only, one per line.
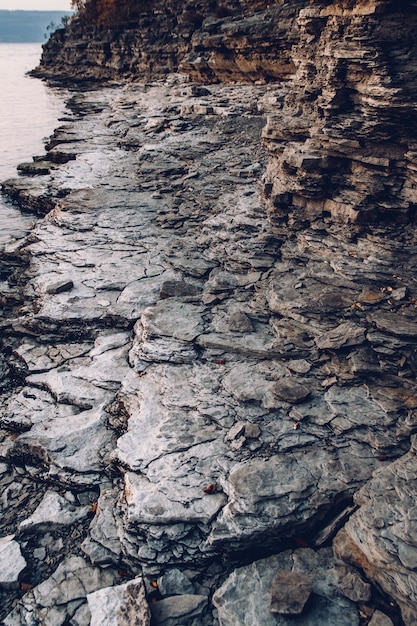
(290,592)
(12,562)
(122,605)
(36,168)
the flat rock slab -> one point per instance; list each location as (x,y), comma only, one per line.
(186,609)
(54,512)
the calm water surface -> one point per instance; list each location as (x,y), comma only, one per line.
(29,112)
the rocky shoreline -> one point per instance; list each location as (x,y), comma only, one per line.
(194,391)
(208,348)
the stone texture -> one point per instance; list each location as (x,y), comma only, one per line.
(380,537)
(380,619)
(244,598)
(122,605)
(12,562)
(56,600)
(290,592)
(54,511)
(338,144)
(241,41)
(184,609)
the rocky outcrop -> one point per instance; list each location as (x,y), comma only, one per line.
(242,40)
(343,142)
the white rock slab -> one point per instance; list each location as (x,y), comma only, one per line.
(12,562)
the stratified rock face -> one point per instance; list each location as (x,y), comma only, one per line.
(251,42)
(343,142)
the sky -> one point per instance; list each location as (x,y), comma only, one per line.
(36,5)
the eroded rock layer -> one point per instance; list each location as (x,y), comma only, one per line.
(344,141)
(244,40)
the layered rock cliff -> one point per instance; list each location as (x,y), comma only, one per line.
(210,339)
(343,143)
(252,42)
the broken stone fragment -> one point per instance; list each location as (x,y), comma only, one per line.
(355,588)
(12,562)
(187,610)
(245,596)
(60,286)
(290,390)
(240,322)
(290,592)
(175,583)
(178,289)
(346,334)
(54,511)
(56,600)
(380,619)
(122,605)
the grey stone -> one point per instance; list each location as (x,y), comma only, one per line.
(346,334)
(57,599)
(381,534)
(175,289)
(174,582)
(380,619)
(291,390)
(60,286)
(53,512)
(122,605)
(186,610)
(178,423)
(245,596)
(290,592)
(240,322)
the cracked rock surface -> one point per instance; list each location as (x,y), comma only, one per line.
(193,393)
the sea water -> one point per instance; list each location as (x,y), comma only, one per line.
(29,112)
